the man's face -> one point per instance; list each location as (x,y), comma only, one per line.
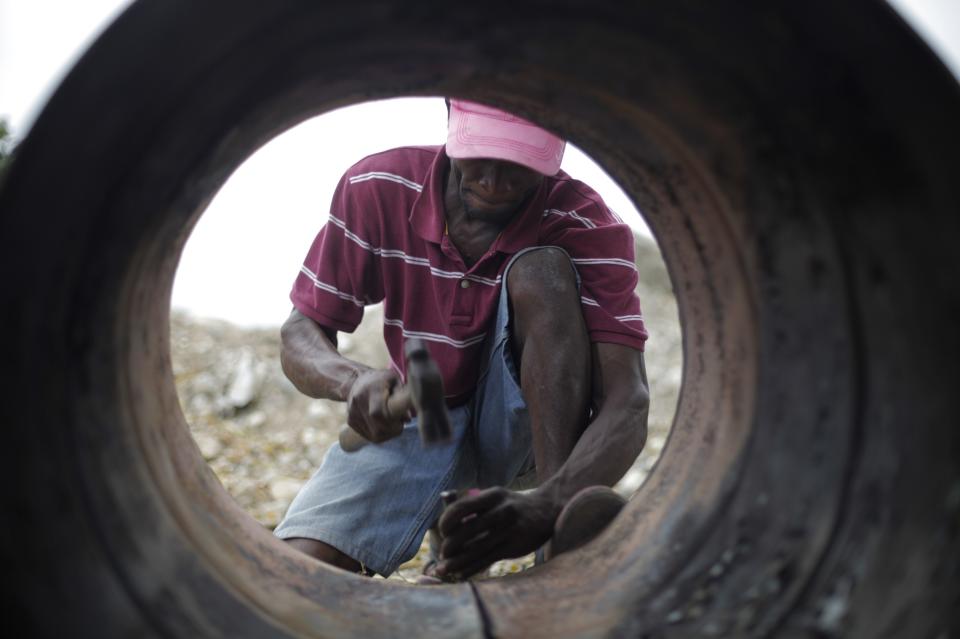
(493,190)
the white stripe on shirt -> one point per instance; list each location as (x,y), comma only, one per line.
(409,259)
(589,301)
(330,288)
(587,223)
(612,260)
(390,177)
(484,280)
(434,337)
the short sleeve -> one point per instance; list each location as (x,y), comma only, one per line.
(603,252)
(341,272)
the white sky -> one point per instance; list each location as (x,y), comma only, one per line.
(241,259)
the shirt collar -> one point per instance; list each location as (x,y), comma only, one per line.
(427,215)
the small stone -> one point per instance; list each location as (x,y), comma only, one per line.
(318,409)
(309,436)
(210,447)
(204,382)
(284,489)
(243,388)
(256,419)
(675,617)
(200,404)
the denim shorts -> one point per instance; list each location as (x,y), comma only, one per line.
(376,504)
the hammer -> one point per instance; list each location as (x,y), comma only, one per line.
(423,393)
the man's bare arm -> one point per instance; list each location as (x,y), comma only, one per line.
(311,361)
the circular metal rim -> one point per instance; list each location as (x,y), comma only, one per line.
(153,530)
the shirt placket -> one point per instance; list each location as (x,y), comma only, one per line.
(467,296)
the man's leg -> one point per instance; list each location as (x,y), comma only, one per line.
(325,553)
(533,397)
(368,510)
(552,351)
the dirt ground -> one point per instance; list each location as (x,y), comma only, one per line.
(263,439)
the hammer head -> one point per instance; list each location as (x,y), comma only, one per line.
(426,393)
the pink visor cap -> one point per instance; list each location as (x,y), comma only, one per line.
(478,131)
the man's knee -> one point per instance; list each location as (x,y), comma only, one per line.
(545,276)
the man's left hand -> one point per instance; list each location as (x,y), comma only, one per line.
(485,526)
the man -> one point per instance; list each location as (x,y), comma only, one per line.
(522,283)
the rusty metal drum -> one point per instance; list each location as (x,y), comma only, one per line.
(797,163)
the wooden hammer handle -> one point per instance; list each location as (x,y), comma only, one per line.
(399,403)
(397,406)
(351,440)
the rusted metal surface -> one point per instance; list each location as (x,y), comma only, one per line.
(797,163)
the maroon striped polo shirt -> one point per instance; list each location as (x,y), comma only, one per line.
(385,241)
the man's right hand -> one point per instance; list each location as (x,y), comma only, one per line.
(311,361)
(367,406)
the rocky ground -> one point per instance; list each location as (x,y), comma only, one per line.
(263,439)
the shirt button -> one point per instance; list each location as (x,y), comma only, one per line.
(464,283)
